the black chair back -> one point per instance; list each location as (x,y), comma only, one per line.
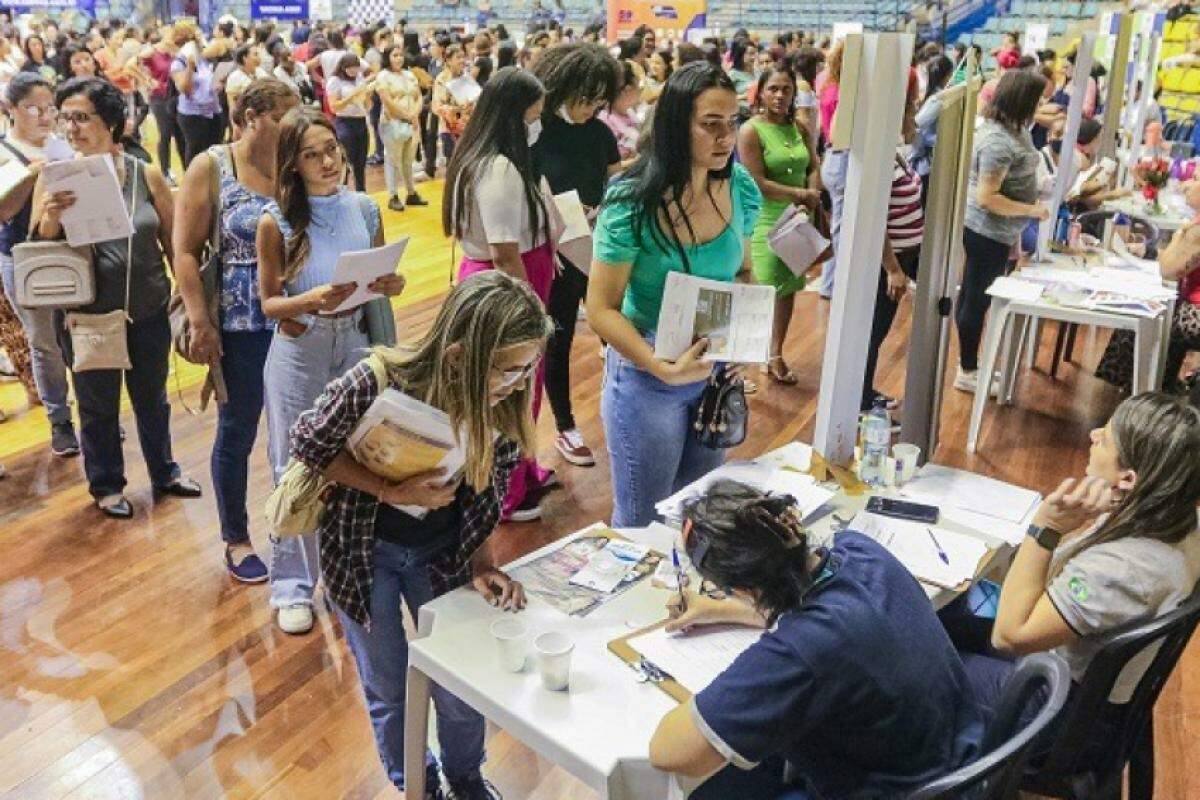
(1097,738)
(996,774)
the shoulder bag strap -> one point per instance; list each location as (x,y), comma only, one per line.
(133,191)
(12,149)
(214,192)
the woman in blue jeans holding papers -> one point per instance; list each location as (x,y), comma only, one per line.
(475,364)
(853,681)
(682,207)
(300,236)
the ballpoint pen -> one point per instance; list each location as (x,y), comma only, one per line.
(679,579)
(941,553)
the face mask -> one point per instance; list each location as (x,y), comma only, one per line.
(562,112)
(532,131)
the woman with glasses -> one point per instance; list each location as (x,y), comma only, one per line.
(474,364)
(576,151)
(853,682)
(497,205)
(34,116)
(129,275)
(312,221)
(683,206)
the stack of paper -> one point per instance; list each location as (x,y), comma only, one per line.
(764,477)
(400,436)
(984,504)
(919,547)
(607,568)
(695,659)
(575,240)
(100,213)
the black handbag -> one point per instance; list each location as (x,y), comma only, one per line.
(722,416)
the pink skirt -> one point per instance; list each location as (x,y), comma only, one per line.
(540,268)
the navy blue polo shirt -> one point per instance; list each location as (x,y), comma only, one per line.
(859,688)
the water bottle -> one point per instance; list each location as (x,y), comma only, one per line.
(877,441)
(1062,225)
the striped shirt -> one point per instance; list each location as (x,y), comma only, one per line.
(906,220)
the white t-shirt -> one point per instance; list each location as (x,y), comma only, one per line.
(236,83)
(329,61)
(336,87)
(400,84)
(499,213)
(295,81)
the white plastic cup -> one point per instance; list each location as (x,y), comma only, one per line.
(553,651)
(511,643)
(906,454)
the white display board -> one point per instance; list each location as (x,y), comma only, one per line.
(1036,36)
(842,29)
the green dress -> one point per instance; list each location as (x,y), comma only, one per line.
(786,157)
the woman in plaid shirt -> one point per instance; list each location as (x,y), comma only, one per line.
(475,364)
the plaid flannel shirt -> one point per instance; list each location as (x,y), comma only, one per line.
(347,535)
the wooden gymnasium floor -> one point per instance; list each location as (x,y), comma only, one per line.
(131,665)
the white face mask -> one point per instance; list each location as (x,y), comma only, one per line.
(562,112)
(532,131)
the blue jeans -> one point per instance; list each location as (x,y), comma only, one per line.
(49,369)
(297,371)
(244,357)
(651,448)
(99,395)
(381,654)
(833,175)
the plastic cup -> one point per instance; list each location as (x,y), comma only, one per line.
(554,660)
(906,454)
(511,643)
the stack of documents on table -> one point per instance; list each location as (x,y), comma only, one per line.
(736,319)
(400,436)
(606,568)
(695,659)
(765,477)
(983,504)
(918,546)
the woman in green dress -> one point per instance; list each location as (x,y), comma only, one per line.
(779,153)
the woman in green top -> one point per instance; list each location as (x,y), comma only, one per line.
(779,153)
(682,207)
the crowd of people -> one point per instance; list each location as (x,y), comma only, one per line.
(684,155)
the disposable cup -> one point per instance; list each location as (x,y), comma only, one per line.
(553,651)
(906,454)
(512,643)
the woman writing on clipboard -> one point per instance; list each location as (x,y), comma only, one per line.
(854,681)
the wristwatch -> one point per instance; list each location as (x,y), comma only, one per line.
(1046,537)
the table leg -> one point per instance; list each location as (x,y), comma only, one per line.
(1033,341)
(416,732)
(1143,355)
(997,321)
(1020,332)
(1163,329)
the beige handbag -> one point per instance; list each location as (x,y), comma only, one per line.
(100,341)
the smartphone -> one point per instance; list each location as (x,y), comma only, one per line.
(902,509)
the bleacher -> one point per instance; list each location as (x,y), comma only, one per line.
(1058,14)
(1180,85)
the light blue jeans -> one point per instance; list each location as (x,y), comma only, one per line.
(297,371)
(399,575)
(833,175)
(49,369)
(651,448)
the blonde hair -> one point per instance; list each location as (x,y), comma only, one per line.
(184,31)
(450,366)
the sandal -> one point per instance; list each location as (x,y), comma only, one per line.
(782,374)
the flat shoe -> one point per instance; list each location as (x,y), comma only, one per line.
(116,506)
(250,569)
(180,487)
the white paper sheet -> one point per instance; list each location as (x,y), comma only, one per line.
(946,486)
(1016,289)
(364,266)
(12,174)
(793,455)
(695,659)
(99,213)
(575,241)
(464,89)
(735,318)
(57,149)
(914,547)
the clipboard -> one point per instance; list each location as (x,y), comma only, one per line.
(622,649)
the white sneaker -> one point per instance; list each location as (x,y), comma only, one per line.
(968,381)
(296,618)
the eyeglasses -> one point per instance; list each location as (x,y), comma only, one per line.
(40,112)
(80,118)
(511,377)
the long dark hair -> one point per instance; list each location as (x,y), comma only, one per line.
(939,69)
(1016,100)
(496,128)
(658,179)
(290,192)
(740,538)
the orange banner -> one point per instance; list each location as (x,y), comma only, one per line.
(624,16)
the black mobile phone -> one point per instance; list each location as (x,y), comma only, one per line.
(902,509)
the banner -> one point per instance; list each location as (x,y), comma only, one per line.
(624,16)
(279,9)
